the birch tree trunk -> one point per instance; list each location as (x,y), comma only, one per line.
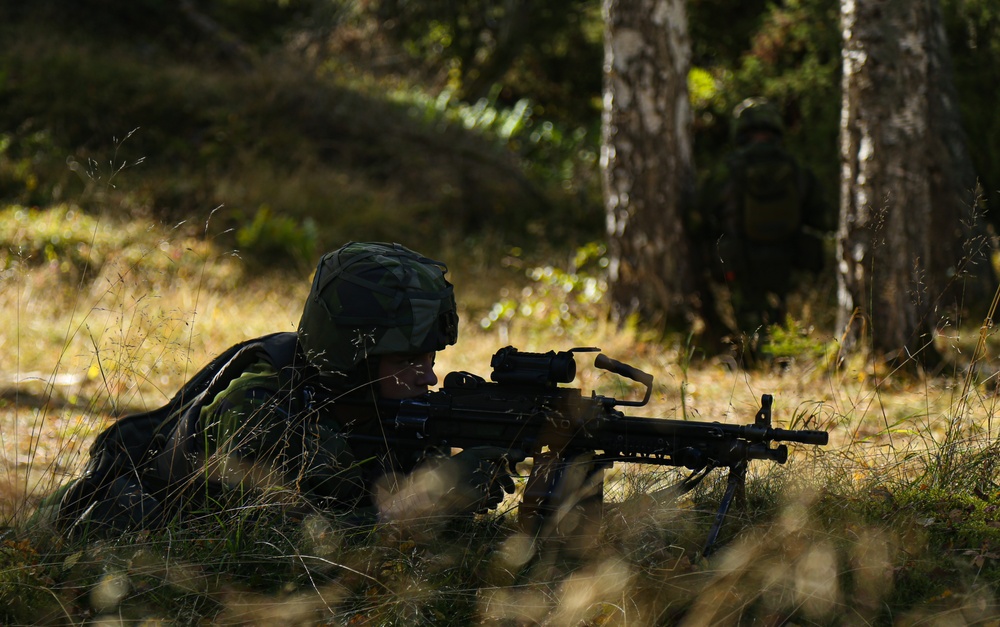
(646,158)
(902,212)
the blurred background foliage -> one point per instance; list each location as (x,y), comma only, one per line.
(442,122)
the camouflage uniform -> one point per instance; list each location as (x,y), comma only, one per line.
(756,257)
(251,440)
(265,422)
(366,301)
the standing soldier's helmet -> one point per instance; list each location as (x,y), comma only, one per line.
(372,299)
(756,114)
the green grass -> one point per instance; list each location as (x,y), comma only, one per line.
(895,521)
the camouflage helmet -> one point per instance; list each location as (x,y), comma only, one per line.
(370,299)
(755,114)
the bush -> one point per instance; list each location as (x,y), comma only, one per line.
(270,239)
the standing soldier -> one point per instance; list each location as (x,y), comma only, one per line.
(764,220)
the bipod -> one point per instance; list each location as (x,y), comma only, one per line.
(736,481)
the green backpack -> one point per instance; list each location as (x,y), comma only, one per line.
(769,184)
(123,484)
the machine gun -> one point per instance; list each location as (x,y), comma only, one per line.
(524,409)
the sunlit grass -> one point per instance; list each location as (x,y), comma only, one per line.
(893,521)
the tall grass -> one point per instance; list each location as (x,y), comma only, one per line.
(894,522)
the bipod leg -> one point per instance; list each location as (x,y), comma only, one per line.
(736,481)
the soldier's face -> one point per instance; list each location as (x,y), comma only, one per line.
(405,375)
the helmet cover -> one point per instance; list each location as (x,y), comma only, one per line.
(370,299)
(755,114)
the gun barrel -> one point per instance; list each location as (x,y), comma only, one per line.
(804,436)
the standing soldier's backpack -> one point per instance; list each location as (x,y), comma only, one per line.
(769,187)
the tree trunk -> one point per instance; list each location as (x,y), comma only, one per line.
(646,159)
(902,211)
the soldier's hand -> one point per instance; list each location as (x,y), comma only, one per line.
(486,472)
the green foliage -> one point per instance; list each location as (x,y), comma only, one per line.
(790,53)
(79,246)
(211,137)
(270,239)
(528,77)
(702,88)
(539,63)
(557,301)
(25,583)
(550,54)
(62,236)
(19,172)
(792,340)
(555,154)
(959,518)
(952,537)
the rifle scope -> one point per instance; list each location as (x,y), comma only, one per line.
(539,369)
